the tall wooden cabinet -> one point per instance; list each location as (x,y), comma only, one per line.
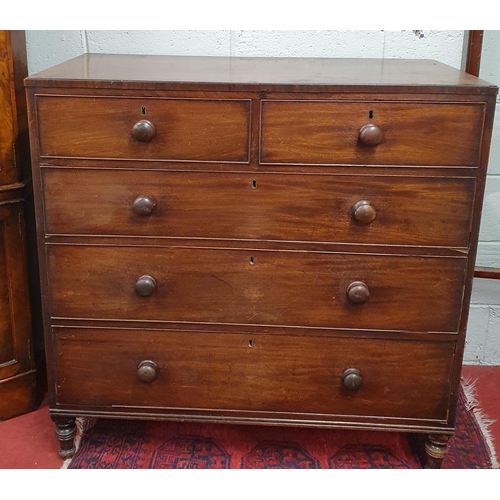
(18,344)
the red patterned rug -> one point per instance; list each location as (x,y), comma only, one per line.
(122,444)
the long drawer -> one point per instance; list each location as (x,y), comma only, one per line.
(263,373)
(144,128)
(393,210)
(290,288)
(328,132)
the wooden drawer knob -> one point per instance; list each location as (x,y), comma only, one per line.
(363,212)
(147,371)
(358,292)
(143,131)
(352,379)
(145,286)
(370,134)
(144,205)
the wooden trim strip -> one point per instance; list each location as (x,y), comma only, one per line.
(474,47)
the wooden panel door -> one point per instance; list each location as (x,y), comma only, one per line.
(17,366)
(19,380)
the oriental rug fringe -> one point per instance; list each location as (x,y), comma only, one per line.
(126,444)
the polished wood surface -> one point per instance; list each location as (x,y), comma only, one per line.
(21,386)
(487,272)
(435,448)
(253,286)
(352,379)
(14,147)
(236,205)
(222,371)
(13,298)
(147,371)
(145,286)
(370,134)
(65,433)
(143,131)
(358,292)
(17,362)
(286,241)
(410,133)
(364,212)
(180,129)
(117,71)
(474,48)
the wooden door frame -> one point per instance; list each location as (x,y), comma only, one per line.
(474,48)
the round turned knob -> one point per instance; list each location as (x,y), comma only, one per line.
(358,292)
(143,131)
(363,212)
(144,205)
(147,371)
(145,286)
(370,134)
(352,379)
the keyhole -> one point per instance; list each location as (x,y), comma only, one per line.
(254,184)
(251,261)
(143,110)
(370,114)
(250,343)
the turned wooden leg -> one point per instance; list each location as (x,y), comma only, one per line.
(65,433)
(435,450)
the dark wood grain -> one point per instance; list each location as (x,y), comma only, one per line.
(15,328)
(149,72)
(487,272)
(17,364)
(277,207)
(474,48)
(473,248)
(370,134)
(98,127)
(197,370)
(412,133)
(18,374)
(201,270)
(256,287)
(14,146)
(65,433)
(435,449)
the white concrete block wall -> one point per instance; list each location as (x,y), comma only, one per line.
(483,333)
(47,48)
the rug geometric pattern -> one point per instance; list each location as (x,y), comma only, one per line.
(126,444)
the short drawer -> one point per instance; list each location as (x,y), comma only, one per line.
(290,288)
(329,132)
(314,208)
(144,128)
(324,376)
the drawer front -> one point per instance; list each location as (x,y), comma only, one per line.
(407,211)
(272,373)
(416,134)
(291,288)
(184,129)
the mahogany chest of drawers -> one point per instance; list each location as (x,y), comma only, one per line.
(268,241)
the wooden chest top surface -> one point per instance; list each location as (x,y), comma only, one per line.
(157,71)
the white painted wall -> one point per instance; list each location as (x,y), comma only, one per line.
(483,333)
(47,48)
